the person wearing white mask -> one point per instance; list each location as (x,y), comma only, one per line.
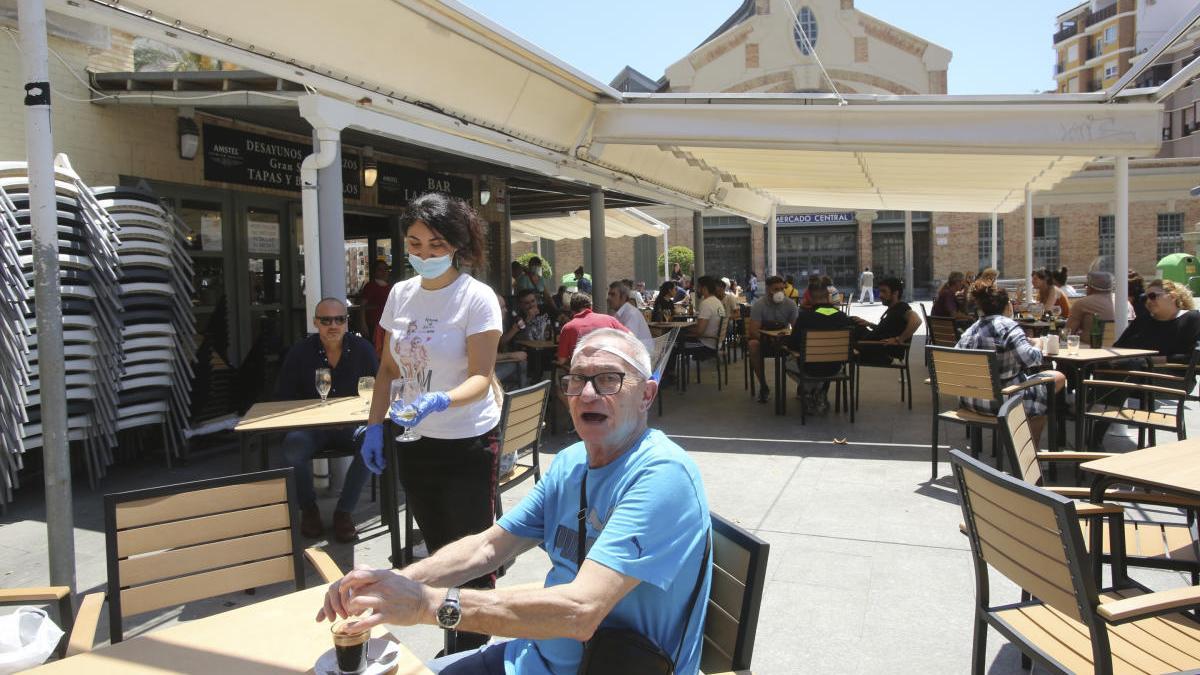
(449,474)
(534,281)
(773,310)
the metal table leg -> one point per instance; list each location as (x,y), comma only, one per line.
(391,515)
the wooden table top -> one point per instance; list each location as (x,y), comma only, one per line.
(669,324)
(775,332)
(1170,466)
(282,415)
(272,637)
(1089,355)
(537,344)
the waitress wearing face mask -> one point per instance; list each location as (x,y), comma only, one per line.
(443,329)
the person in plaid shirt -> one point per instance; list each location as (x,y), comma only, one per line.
(1016,356)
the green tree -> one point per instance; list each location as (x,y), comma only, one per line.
(682,255)
(547,272)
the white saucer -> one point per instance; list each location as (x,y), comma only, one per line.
(386,655)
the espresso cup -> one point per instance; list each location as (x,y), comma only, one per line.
(350,645)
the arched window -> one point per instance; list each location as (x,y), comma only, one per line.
(806,20)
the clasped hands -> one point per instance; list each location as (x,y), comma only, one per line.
(388,595)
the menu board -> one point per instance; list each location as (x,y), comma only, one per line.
(399,184)
(246,158)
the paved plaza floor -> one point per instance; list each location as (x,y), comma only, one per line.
(868,572)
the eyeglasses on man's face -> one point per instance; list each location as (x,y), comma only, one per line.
(604,384)
(331,320)
(1154,295)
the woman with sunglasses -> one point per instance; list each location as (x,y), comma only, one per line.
(1170,326)
(444,328)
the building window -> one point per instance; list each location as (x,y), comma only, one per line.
(1166,131)
(806,25)
(1170,234)
(1189,120)
(1073,53)
(1110,34)
(985,244)
(1108,229)
(1073,85)
(1045,243)
(1110,71)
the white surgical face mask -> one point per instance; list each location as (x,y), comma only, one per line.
(431,268)
(777,297)
(535,270)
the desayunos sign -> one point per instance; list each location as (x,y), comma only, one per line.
(245,158)
(842,217)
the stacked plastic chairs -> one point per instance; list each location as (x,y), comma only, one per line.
(125,285)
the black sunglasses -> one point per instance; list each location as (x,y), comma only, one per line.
(1154,295)
(330,320)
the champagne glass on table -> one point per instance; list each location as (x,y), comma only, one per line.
(406,390)
(366,386)
(1055,312)
(324,384)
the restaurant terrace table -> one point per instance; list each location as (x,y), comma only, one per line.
(775,336)
(537,350)
(663,327)
(1170,467)
(272,637)
(284,416)
(1084,361)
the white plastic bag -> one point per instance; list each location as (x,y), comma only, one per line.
(27,638)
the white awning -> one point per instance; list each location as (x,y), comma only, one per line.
(577,225)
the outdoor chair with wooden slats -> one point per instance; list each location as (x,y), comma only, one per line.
(899,363)
(660,357)
(739,572)
(171,545)
(1148,543)
(940,331)
(700,353)
(825,347)
(57,596)
(523,418)
(1149,388)
(1065,624)
(969,373)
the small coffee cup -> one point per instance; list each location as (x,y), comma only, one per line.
(350,645)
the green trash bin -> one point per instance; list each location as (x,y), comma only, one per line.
(1178,267)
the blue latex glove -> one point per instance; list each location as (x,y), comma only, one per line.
(425,404)
(372,448)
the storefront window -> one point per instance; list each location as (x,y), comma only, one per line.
(1045,243)
(985,244)
(819,252)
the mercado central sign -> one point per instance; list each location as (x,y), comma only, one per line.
(245,158)
(837,218)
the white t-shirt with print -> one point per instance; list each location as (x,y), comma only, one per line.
(712,309)
(427,335)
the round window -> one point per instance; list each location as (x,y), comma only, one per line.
(806,26)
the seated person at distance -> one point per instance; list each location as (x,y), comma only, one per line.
(895,327)
(637,574)
(822,316)
(348,357)
(770,312)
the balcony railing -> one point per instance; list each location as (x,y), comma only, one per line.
(1106,13)
(1065,33)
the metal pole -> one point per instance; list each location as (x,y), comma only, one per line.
(995,238)
(39,149)
(332,225)
(1028,244)
(1121,245)
(599,273)
(698,244)
(908,254)
(666,254)
(772,251)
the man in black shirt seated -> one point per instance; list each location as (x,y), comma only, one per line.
(895,327)
(822,316)
(348,357)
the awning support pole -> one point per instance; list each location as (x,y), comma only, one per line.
(39,150)
(1121,244)
(666,254)
(599,273)
(326,153)
(908,255)
(333,226)
(995,238)
(772,251)
(698,244)
(1028,244)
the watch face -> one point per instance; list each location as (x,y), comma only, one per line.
(448,615)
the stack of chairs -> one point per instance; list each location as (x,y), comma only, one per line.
(157,330)
(127,329)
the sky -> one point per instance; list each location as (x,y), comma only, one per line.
(999,47)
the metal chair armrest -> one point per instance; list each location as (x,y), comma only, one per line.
(1148,388)
(1150,604)
(1033,381)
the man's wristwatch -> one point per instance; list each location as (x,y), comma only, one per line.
(450,611)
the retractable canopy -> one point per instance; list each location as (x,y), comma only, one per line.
(577,225)
(436,73)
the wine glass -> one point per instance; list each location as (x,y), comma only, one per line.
(1055,312)
(366,387)
(324,383)
(406,390)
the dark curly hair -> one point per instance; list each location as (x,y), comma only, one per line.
(453,219)
(991,298)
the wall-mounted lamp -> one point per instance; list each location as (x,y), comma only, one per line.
(189,135)
(485,196)
(370,167)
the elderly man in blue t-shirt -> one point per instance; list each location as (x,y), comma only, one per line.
(647,528)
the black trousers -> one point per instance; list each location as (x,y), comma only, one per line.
(450,485)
